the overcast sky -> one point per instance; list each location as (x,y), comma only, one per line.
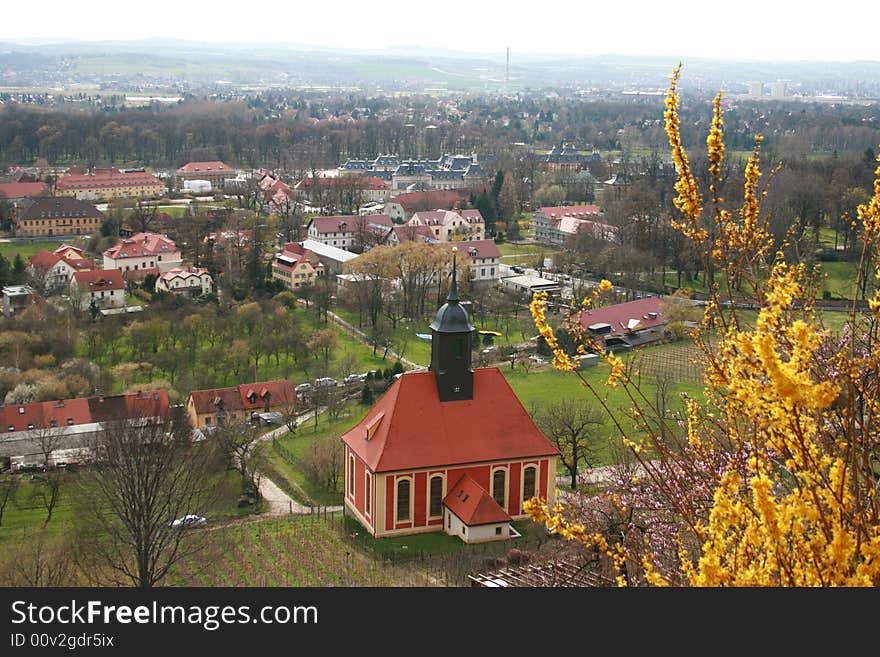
(843,30)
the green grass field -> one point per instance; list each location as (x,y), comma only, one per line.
(28,248)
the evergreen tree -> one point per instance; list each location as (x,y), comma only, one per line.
(5,271)
(367,395)
(487,208)
(19,269)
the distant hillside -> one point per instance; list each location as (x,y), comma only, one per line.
(404,67)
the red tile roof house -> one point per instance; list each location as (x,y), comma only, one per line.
(105,287)
(55,271)
(450,449)
(211,408)
(192,282)
(485,261)
(296,266)
(75,422)
(403,206)
(632,324)
(555,225)
(350,232)
(143,251)
(450,225)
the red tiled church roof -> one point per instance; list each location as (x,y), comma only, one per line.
(473,505)
(420,431)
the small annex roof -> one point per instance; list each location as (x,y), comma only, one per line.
(473,505)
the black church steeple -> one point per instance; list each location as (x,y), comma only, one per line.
(451,337)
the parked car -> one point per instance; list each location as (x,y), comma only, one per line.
(325,382)
(303,390)
(189,521)
(517,269)
(354,378)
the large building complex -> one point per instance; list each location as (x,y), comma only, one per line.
(110,183)
(51,216)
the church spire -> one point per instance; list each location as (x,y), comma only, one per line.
(453,287)
(451,340)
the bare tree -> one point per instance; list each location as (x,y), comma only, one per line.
(140,481)
(9,484)
(47,492)
(235,441)
(323,464)
(40,561)
(571,426)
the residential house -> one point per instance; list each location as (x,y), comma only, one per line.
(449,450)
(350,232)
(143,251)
(402,207)
(185,281)
(103,287)
(57,215)
(556,225)
(55,269)
(109,183)
(296,266)
(74,423)
(449,225)
(484,259)
(215,173)
(218,406)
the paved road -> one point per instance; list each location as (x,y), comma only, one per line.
(278,502)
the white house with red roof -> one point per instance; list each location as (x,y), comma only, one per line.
(484,259)
(143,251)
(555,225)
(185,281)
(437,436)
(452,225)
(296,266)
(104,287)
(350,232)
(56,269)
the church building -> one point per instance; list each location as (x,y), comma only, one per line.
(449,449)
